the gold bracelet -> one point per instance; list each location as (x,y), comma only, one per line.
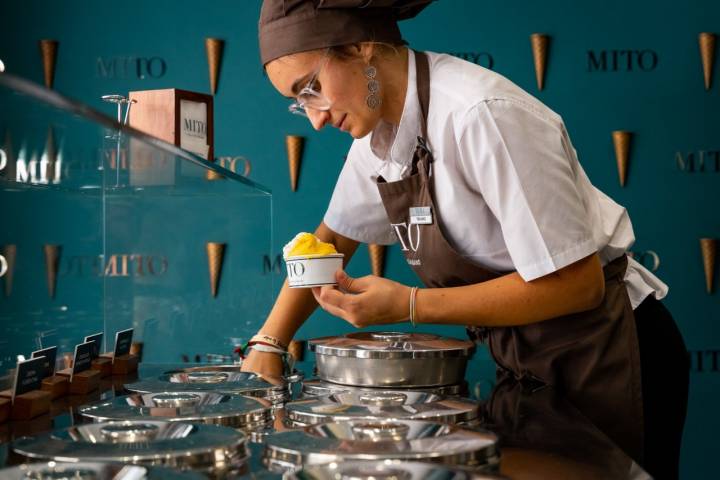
(413,295)
(260,337)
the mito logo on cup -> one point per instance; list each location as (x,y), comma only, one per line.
(313,271)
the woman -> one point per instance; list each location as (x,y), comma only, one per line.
(480,184)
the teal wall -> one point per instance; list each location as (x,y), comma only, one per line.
(666,106)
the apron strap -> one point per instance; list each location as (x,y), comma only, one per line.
(422,74)
(422,69)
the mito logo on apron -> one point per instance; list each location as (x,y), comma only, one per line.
(409,235)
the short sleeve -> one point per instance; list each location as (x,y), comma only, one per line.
(356,210)
(518,160)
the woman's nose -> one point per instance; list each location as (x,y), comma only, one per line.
(318,118)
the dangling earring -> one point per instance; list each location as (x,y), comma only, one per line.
(373,99)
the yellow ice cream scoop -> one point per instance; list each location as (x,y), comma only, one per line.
(307,244)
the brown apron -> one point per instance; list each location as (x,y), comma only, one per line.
(591,357)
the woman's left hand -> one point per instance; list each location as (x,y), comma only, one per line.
(365,301)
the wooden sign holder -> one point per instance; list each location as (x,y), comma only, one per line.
(82,383)
(157,112)
(4,410)
(103,365)
(123,364)
(28,405)
(57,386)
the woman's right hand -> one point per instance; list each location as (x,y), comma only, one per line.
(264,363)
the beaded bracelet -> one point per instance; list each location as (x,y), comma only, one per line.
(261,337)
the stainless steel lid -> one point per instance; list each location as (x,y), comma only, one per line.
(391,345)
(274,389)
(294,377)
(93,471)
(316,387)
(387,470)
(198,407)
(381,404)
(146,442)
(380,440)
(261,434)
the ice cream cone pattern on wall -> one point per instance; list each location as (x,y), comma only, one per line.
(540,45)
(52,264)
(9,252)
(295,146)
(48,51)
(215,254)
(214,50)
(377,258)
(707,53)
(621,141)
(50,155)
(708,247)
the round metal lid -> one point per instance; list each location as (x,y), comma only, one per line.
(386,470)
(246,383)
(294,377)
(93,471)
(182,445)
(316,387)
(382,404)
(380,440)
(203,407)
(391,345)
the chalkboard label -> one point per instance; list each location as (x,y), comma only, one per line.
(50,356)
(28,376)
(83,358)
(95,339)
(123,340)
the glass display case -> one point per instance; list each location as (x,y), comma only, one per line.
(106,228)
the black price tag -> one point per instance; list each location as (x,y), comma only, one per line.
(83,358)
(96,339)
(28,376)
(50,356)
(123,340)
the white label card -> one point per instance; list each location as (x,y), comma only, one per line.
(420,216)
(193,127)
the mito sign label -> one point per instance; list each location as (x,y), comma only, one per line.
(130,67)
(621,60)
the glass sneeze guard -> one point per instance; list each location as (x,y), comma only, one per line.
(106,228)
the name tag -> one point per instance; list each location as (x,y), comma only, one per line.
(420,216)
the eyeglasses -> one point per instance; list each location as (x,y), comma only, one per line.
(309,97)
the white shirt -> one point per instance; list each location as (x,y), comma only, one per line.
(510,192)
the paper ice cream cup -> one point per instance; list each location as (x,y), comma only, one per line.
(306,271)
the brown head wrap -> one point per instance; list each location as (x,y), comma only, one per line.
(291,26)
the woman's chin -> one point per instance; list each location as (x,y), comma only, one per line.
(358,133)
